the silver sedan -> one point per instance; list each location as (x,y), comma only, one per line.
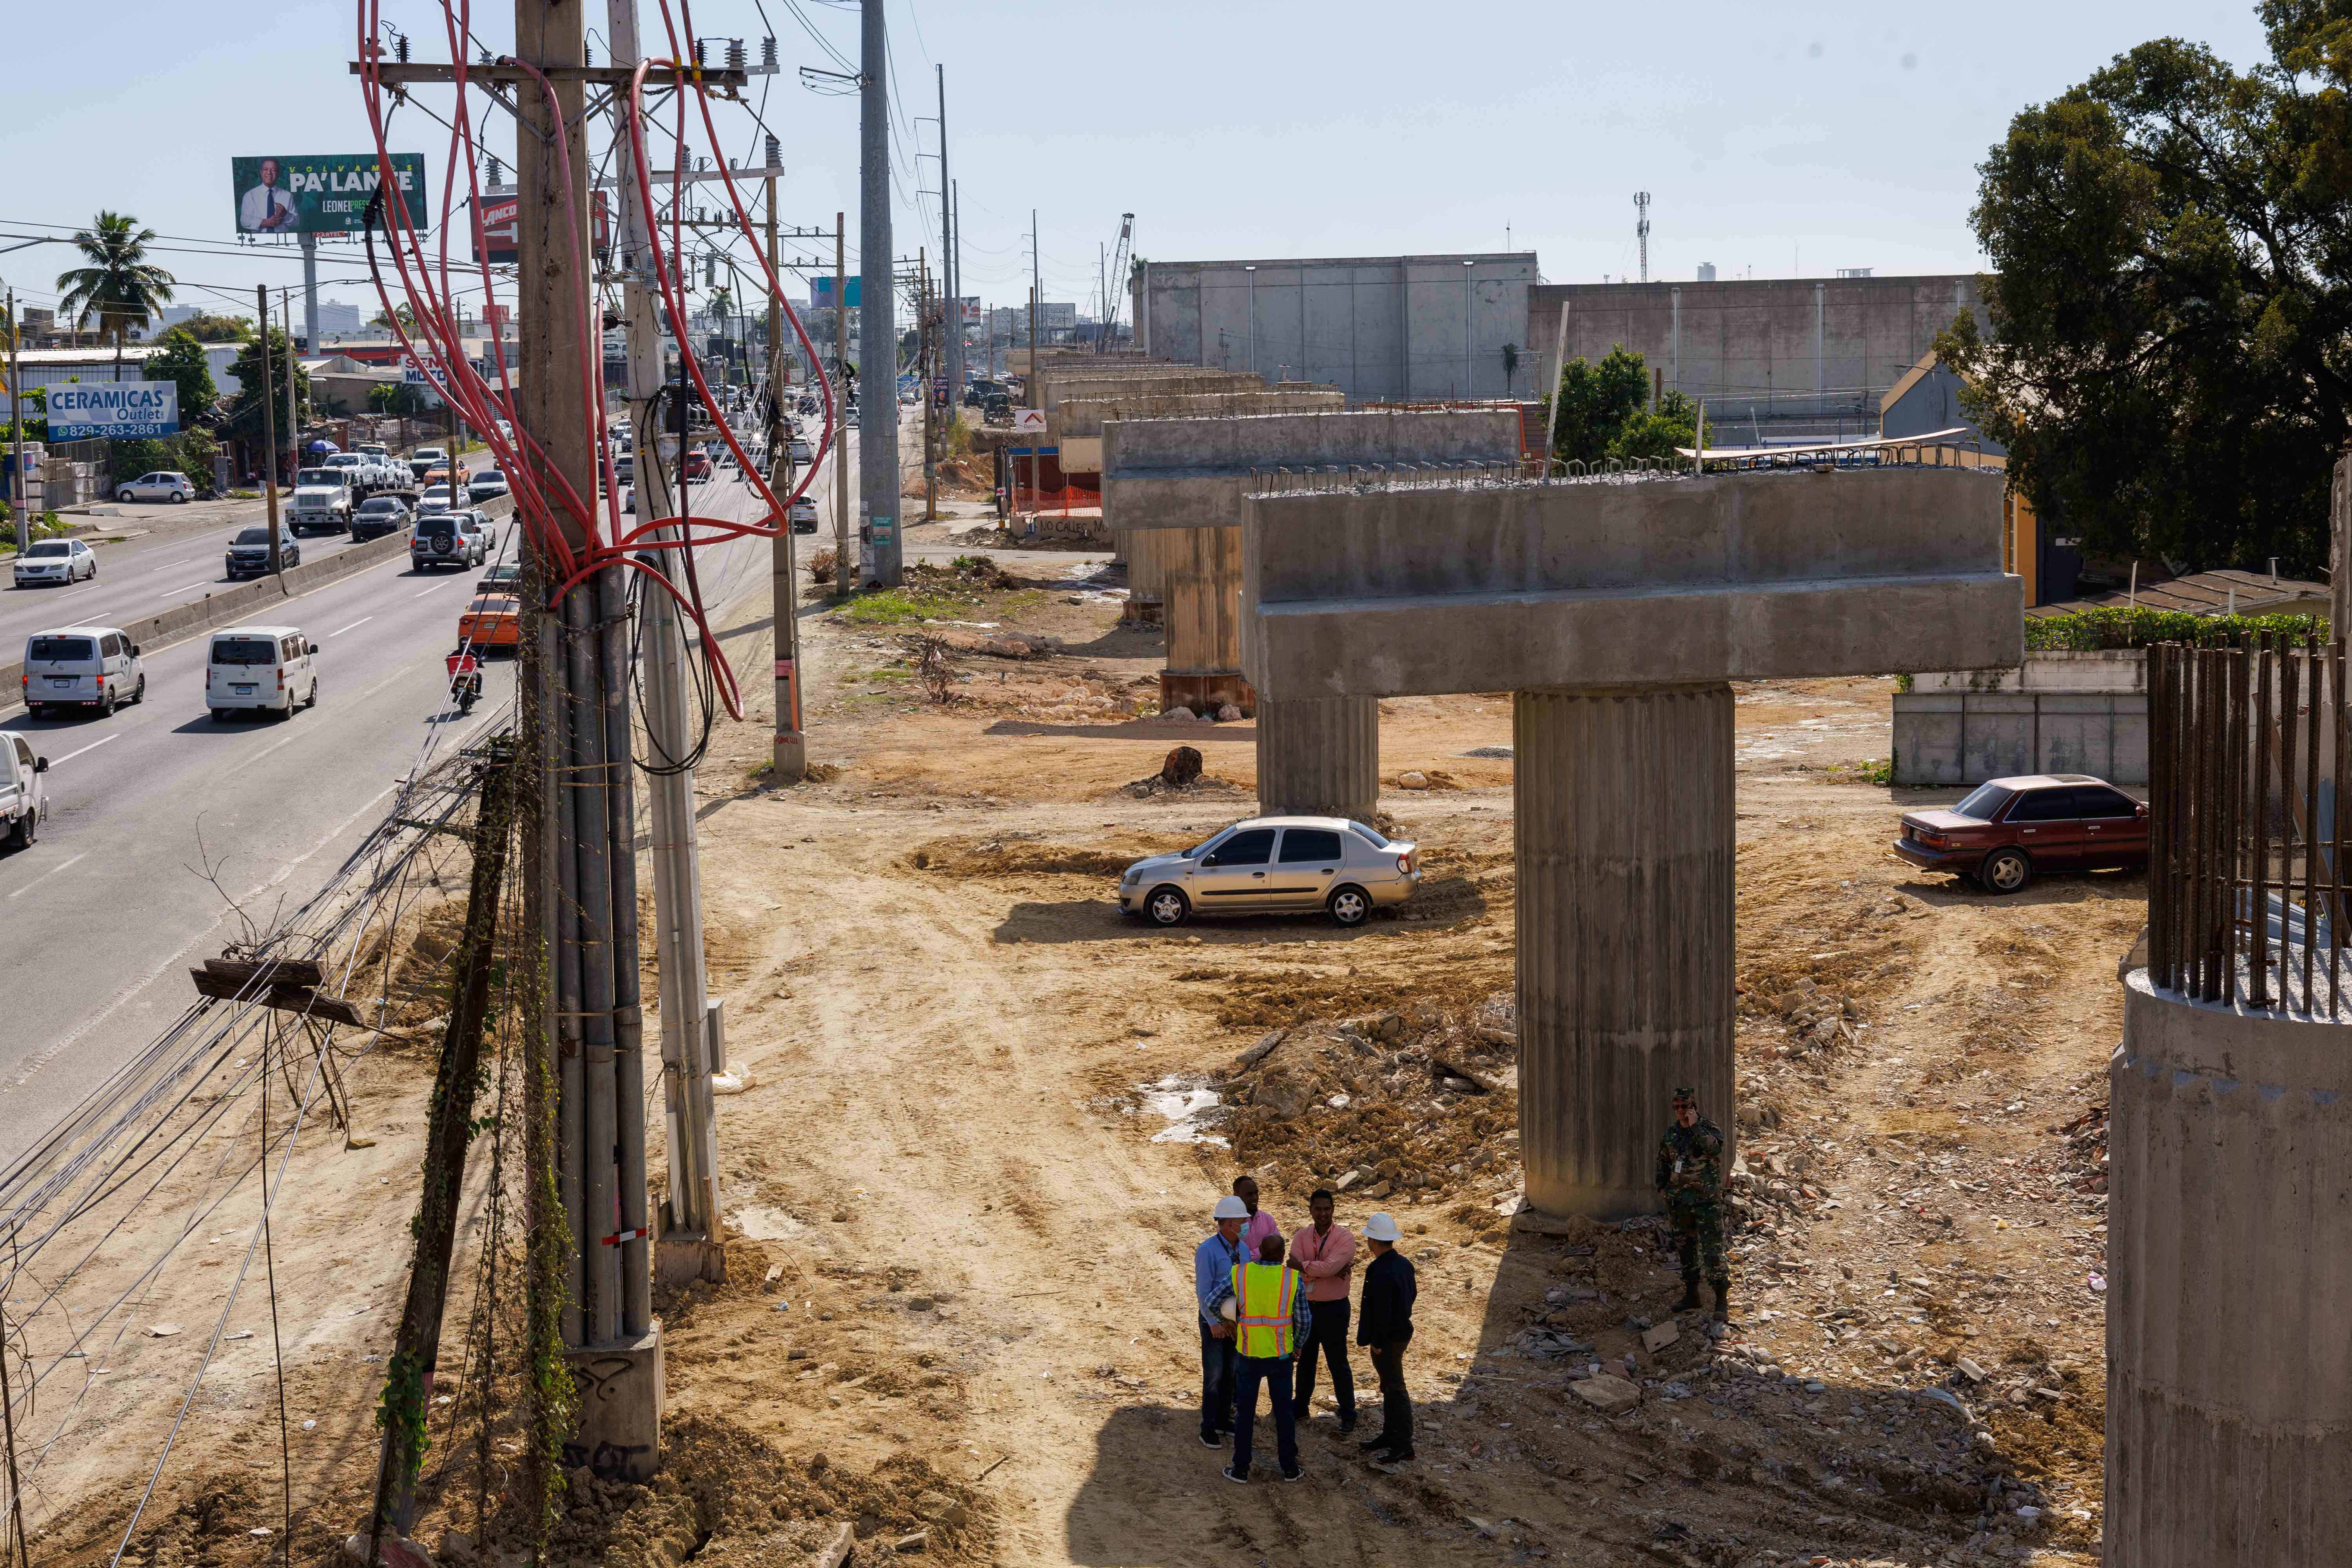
(1275,865)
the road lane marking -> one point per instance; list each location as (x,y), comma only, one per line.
(360,622)
(180,589)
(47,875)
(94,745)
(266,751)
(435,589)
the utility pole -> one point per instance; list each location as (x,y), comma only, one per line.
(268,427)
(293,417)
(310,292)
(577,703)
(23,498)
(955,266)
(841,435)
(877,449)
(928,338)
(690,1247)
(789,760)
(953,320)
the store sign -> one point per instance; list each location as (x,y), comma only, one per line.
(113,410)
(1029,422)
(497,226)
(324,195)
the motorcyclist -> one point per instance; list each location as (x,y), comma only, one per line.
(465,679)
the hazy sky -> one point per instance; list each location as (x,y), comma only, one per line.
(1794,137)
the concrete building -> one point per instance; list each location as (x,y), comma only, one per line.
(1382,328)
(1789,359)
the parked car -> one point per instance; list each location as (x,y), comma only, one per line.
(24,793)
(271,669)
(502,578)
(449,539)
(425,460)
(802,513)
(2008,831)
(248,552)
(47,560)
(1274,863)
(164,485)
(377,516)
(322,500)
(81,667)
(625,467)
(483,486)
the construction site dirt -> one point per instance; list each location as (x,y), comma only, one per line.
(985,1118)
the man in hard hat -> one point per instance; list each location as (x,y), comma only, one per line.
(1690,1175)
(1385,1328)
(1271,1319)
(1214,1262)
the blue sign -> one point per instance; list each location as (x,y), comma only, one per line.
(113,410)
(821,292)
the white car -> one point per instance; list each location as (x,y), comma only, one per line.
(161,485)
(436,499)
(24,793)
(59,561)
(81,667)
(1275,865)
(270,669)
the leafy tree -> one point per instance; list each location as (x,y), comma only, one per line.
(118,287)
(1657,434)
(1596,402)
(243,415)
(396,397)
(128,459)
(1510,366)
(2168,363)
(197,451)
(182,361)
(208,328)
(403,315)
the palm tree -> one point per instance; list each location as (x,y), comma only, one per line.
(118,287)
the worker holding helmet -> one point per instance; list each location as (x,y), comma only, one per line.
(1214,1262)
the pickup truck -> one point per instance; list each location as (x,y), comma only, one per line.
(24,793)
(323,499)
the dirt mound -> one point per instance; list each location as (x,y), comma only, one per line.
(993,857)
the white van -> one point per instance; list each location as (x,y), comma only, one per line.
(81,667)
(271,669)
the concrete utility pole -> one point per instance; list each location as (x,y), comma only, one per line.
(268,427)
(690,1247)
(928,336)
(877,451)
(955,288)
(578,709)
(953,319)
(293,415)
(23,500)
(310,292)
(841,552)
(789,760)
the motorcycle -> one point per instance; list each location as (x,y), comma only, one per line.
(465,681)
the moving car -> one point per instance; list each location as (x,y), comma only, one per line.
(425,460)
(483,486)
(1275,865)
(802,452)
(448,539)
(2008,831)
(697,466)
(502,577)
(271,669)
(24,793)
(165,484)
(47,560)
(377,516)
(81,667)
(248,552)
(493,618)
(802,513)
(322,498)
(436,499)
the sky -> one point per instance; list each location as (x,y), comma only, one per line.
(1790,139)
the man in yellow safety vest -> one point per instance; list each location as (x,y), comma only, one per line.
(1267,1307)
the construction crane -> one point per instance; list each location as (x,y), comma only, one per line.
(1115,282)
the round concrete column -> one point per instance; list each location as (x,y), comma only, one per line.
(1625,844)
(2229,1268)
(1319,756)
(1144,576)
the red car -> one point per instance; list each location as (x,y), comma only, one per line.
(697,466)
(2008,831)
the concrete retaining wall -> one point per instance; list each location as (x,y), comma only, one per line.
(1953,738)
(2100,669)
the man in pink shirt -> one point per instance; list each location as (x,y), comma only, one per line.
(1261,1224)
(1326,1254)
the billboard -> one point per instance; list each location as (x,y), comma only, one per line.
(321,194)
(821,293)
(116,410)
(498,218)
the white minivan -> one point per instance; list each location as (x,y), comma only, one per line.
(273,669)
(81,667)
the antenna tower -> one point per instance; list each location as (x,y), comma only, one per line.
(1642,229)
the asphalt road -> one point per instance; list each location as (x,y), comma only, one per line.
(109,908)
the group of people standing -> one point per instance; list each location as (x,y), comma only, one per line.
(1270,1315)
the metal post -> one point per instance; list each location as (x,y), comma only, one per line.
(310,291)
(293,414)
(841,390)
(24,496)
(1559,369)
(268,427)
(950,273)
(877,452)
(789,760)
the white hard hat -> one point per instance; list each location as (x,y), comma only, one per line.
(1232,1208)
(1383,1228)
(1230,1310)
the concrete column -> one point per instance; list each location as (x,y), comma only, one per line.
(2229,1262)
(1625,819)
(1145,580)
(1202,584)
(1319,757)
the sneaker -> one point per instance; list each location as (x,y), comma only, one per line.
(1212,1440)
(1295,1473)
(1393,1457)
(1237,1480)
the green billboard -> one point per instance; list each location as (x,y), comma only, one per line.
(321,194)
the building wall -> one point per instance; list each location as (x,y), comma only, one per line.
(1377,328)
(1818,351)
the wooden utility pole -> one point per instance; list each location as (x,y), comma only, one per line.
(269,424)
(789,760)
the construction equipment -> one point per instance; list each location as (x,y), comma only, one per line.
(1115,288)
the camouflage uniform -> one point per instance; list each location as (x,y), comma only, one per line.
(1690,1174)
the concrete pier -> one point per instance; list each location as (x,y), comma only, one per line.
(1318,757)
(1201,573)
(2229,1270)
(1624,853)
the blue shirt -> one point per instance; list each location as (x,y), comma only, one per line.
(1214,1262)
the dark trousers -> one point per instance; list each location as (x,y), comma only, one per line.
(1396,1406)
(1217,1360)
(1329,1335)
(1275,1374)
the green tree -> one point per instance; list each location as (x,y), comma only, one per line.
(117,287)
(207,328)
(197,451)
(182,361)
(244,414)
(2167,363)
(1510,366)
(128,459)
(1657,433)
(1596,402)
(396,397)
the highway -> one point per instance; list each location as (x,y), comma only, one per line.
(107,911)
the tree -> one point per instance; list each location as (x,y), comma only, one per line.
(396,397)
(1656,434)
(1510,366)
(182,361)
(243,419)
(208,328)
(118,287)
(403,315)
(2168,361)
(1596,402)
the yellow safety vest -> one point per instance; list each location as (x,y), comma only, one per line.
(1265,1294)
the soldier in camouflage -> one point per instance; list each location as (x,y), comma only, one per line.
(1690,1175)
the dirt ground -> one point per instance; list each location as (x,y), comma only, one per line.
(978,1149)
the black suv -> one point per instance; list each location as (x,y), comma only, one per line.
(449,539)
(377,516)
(248,552)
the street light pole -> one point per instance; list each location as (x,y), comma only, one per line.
(24,501)
(878,450)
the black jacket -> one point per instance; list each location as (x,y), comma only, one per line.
(1387,1315)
